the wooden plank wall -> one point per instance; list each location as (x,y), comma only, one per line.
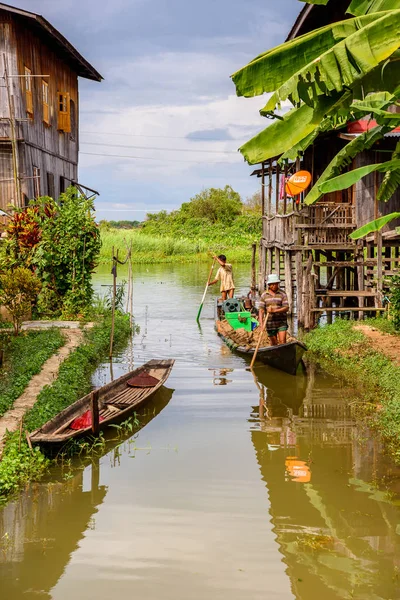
(43,146)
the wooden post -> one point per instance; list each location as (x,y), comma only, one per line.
(269,260)
(378,241)
(289,283)
(14,141)
(270,188)
(318,268)
(114,274)
(253,270)
(261,278)
(329,278)
(284,192)
(94,411)
(277,266)
(299,289)
(277,189)
(262,189)
(360,278)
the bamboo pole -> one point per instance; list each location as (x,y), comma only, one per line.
(205,292)
(262,327)
(262,189)
(253,270)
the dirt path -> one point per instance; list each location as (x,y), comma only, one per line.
(12,418)
(382,342)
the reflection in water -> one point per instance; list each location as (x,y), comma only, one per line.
(338,534)
(186,513)
(220,378)
(41,530)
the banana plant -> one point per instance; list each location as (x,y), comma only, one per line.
(331,75)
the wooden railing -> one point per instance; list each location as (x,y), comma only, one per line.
(323,223)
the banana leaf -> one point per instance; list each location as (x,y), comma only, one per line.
(270,70)
(285,133)
(363,7)
(344,157)
(343,65)
(346,180)
(324,2)
(391,180)
(374,226)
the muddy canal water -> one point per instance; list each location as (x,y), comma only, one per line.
(235,487)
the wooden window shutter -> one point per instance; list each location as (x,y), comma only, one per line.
(64,112)
(45,100)
(28,92)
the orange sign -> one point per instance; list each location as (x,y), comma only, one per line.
(297,183)
(297,469)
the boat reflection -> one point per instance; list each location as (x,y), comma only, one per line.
(336,528)
(40,531)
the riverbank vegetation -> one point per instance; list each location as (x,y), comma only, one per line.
(345,351)
(19,464)
(24,357)
(214,220)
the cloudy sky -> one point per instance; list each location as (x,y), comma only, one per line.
(167,99)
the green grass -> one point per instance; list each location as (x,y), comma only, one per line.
(24,358)
(345,352)
(171,242)
(19,465)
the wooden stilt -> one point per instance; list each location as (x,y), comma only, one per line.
(288,283)
(299,289)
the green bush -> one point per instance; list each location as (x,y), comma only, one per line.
(19,288)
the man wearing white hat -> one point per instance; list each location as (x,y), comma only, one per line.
(274,301)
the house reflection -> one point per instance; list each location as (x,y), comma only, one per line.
(336,528)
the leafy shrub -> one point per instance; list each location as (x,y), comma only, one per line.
(18,290)
(60,242)
(395,301)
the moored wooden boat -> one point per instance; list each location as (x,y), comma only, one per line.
(116,401)
(285,357)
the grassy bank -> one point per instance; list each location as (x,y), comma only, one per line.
(166,243)
(19,465)
(24,358)
(345,352)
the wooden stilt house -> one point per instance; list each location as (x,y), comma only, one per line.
(39,110)
(324,271)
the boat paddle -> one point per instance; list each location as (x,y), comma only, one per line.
(205,291)
(264,325)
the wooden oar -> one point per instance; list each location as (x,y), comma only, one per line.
(264,326)
(205,291)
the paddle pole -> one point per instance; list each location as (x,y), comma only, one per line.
(264,325)
(205,291)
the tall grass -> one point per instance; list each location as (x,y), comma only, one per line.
(148,248)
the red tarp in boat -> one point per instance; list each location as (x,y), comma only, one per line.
(83,421)
(143,380)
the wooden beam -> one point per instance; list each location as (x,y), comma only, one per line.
(94,410)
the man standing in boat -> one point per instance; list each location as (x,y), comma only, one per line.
(224,274)
(274,301)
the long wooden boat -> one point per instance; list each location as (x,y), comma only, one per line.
(109,405)
(285,357)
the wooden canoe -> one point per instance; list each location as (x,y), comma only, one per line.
(116,402)
(285,357)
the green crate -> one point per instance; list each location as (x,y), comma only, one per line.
(239,320)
